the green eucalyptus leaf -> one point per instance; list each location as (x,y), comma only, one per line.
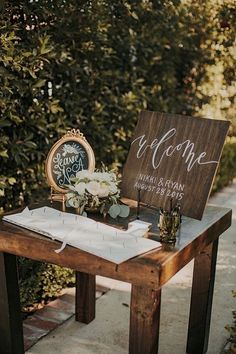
(124,211)
(114,211)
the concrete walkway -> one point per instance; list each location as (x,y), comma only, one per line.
(108,333)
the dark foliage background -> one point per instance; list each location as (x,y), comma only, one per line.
(93,65)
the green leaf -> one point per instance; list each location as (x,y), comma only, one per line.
(30,144)
(114,211)
(54,107)
(27,54)
(134,15)
(16,118)
(5,123)
(11,180)
(124,211)
(3,153)
(39,84)
(32,73)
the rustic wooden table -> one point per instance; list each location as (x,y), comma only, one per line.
(147,274)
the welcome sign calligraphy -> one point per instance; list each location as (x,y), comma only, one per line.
(175,158)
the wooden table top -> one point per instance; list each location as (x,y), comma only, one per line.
(152,269)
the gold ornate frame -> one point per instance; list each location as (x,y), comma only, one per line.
(72,135)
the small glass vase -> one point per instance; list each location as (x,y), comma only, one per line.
(91,207)
(77,211)
(169,223)
(93,210)
(88,209)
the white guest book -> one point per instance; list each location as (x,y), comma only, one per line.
(86,234)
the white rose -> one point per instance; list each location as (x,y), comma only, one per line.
(97,176)
(80,188)
(104,190)
(93,187)
(84,174)
(106,176)
(113,188)
(112,176)
(101,176)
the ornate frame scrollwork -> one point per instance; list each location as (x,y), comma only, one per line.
(74,135)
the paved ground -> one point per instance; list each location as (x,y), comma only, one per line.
(108,333)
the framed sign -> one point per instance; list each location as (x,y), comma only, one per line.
(70,154)
(173,160)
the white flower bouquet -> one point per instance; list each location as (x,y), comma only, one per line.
(96,191)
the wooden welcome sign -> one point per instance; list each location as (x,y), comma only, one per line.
(173,159)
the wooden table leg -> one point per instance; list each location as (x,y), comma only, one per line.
(144,320)
(11,329)
(85,297)
(201,299)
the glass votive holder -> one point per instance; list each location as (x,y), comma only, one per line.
(169,223)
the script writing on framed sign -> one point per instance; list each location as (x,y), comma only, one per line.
(70,154)
(173,159)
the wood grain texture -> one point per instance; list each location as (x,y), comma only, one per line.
(85,297)
(173,157)
(144,320)
(153,269)
(11,330)
(147,273)
(201,299)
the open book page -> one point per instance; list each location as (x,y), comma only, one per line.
(86,234)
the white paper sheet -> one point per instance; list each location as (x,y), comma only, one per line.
(86,234)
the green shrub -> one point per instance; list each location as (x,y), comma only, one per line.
(227,168)
(94,65)
(40,282)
